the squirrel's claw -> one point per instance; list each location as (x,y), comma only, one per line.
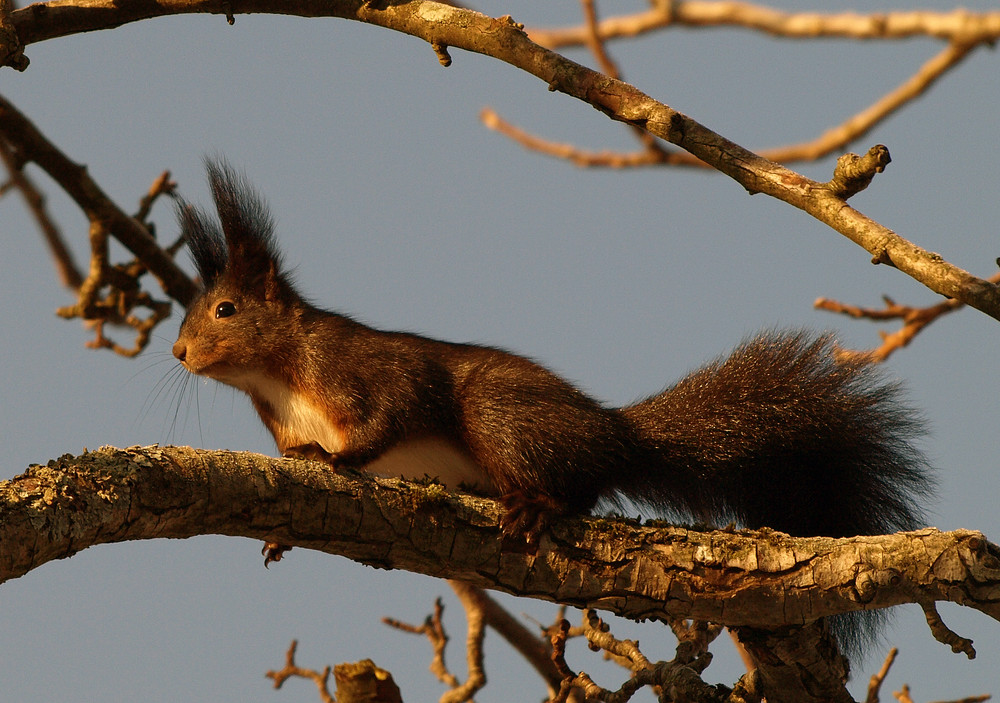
(273,551)
(528,516)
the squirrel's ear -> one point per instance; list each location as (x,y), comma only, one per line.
(273,282)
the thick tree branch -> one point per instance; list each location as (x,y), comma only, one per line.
(445,26)
(771,586)
(761,579)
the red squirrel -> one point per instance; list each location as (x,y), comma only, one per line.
(777,435)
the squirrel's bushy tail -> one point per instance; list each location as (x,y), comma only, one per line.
(781,434)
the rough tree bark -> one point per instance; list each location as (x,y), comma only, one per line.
(759,580)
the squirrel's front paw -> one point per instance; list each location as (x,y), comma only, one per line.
(311,451)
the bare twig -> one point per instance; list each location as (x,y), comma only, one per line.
(944,634)
(118,305)
(875,683)
(161,186)
(681,676)
(356,682)
(472,602)
(594,41)
(581,157)
(857,126)
(291,670)
(914,321)
(433,629)
(110,294)
(610,68)
(903,696)
(534,649)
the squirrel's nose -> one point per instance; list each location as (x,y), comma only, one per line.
(180,350)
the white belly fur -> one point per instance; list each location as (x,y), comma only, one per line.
(412,459)
(433,457)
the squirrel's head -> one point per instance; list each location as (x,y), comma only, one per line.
(235,326)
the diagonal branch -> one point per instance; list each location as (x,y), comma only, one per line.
(861,123)
(73,178)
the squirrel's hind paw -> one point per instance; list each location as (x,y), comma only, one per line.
(527,516)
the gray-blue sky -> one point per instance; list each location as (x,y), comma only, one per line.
(397,206)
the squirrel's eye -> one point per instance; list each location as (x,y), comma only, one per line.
(225,309)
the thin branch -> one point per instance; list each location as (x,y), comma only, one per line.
(594,41)
(163,185)
(534,649)
(480,610)
(956,26)
(110,294)
(903,696)
(433,629)
(681,676)
(476,679)
(581,157)
(360,682)
(652,152)
(944,634)
(860,124)
(66,268)
(914,321)
(875,683)
(964,32)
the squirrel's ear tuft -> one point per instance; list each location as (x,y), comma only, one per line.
(251,254)
(205,242)
(245,219)
(240,245)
